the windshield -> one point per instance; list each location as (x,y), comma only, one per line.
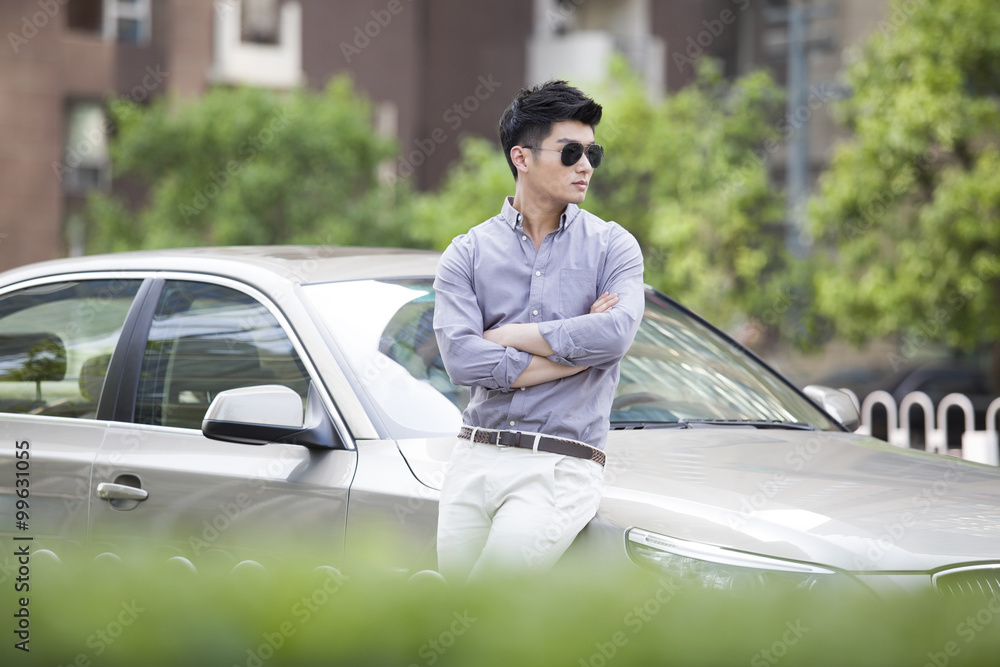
(678,370)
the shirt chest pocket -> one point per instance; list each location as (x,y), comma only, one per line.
(577,291)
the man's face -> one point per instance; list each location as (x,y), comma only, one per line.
(548,178)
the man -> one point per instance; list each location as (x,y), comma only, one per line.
(535,309)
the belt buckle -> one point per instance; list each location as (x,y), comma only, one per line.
(510,435)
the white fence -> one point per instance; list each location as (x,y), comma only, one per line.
(980,446)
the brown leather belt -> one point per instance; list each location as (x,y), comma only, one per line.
(487,436)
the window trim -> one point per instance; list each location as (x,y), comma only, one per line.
(125,407)
(127,356)
(102,401)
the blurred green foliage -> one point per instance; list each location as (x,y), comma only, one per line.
(248,166)
(686,174)
(907,218)
(138,611)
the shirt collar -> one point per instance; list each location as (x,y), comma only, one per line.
(512,217)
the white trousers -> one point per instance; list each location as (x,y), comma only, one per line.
(506,509)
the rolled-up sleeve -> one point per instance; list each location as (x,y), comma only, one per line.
(469,358)
(600,340)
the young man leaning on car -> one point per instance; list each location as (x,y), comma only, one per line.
(535,309)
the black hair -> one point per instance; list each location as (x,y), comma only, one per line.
(529,118)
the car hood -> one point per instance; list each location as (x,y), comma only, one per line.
(846,501)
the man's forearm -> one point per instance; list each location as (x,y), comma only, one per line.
(527,337)
(542,370)
(521,336)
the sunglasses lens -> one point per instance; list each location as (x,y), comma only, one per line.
(572,152)
(595,153)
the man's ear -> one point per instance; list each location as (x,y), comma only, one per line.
(519,157)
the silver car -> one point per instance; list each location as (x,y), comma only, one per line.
(217,403)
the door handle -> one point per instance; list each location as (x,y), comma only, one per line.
(109,491)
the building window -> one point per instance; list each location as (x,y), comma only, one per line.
(260,21)
(85,159)
(85,15)
(257,43)
(127,21)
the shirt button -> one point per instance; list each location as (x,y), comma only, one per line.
(524,238)
(538,273)
(512,423)
(523,388)
(534,312)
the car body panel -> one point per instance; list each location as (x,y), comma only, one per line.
(61,455)
(846,501)
(391,506)
(205,494)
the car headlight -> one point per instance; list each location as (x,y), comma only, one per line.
(718,568)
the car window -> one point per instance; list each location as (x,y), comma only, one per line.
(388,340)
(677,369)
(56,342)
(204,339)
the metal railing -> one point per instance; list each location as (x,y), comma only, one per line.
(979,446)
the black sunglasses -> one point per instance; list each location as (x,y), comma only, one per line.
(574,150)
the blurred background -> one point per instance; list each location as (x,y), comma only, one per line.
(819,179)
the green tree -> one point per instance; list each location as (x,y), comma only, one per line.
(248,166)
(687,174)
(471,192)
(909,208)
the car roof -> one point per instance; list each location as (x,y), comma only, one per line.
(298,264)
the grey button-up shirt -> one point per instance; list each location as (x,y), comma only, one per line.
(493,276)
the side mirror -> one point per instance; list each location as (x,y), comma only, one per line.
(836,403)
(269,413)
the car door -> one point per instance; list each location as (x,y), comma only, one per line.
(57,337)
(159,482)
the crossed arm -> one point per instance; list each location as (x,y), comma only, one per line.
(526,337)
(519,355)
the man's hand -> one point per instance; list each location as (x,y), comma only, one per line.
(604,303)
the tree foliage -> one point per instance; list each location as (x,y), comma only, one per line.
(248,166)
(911,203)
(687,174)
